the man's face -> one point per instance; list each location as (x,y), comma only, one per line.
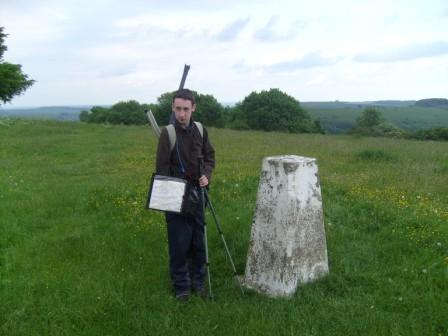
(183,109)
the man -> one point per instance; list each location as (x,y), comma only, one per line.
(186,233)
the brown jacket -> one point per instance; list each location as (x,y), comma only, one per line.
(190,145)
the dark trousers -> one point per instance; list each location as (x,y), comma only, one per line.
(186,251)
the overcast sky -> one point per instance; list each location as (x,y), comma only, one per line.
(102,52)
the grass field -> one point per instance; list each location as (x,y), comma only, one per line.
(80,255)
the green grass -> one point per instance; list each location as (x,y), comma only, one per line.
(80,255)
(372,155)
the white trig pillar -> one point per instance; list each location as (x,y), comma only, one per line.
(287,244)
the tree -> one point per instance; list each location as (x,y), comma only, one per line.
(84,116)
(97,114)
(234,117)
(274,110)
(370,117)
(372,123)
(208,110)
(162,109)
(128,113)
(13,81)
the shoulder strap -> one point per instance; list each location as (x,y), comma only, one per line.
(172,133)
(200,128)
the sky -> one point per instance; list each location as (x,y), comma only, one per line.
(98,52)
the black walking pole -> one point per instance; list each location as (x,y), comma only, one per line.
(218,226)
(181,86)
(148,112)
(207,263)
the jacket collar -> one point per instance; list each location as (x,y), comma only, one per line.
(179,126)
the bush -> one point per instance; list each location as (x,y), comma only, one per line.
(274,110)
(127,113)
(436,134)
(371,123)
(238,124)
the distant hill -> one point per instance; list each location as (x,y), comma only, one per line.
(412,118)
(432,102)
(338,116)
(47,112)
(355,105)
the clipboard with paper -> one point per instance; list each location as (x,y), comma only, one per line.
(166,193)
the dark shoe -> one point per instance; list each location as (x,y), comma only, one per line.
(183,297)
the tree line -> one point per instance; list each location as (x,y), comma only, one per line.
(271,110)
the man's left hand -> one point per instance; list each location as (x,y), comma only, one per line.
(203,181)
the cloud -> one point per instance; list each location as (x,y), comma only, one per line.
(117,70)
(445,13)
(317,80)
(231,31)
(109,50)
(405,53)
(310,60)
(145,28)
(171,25)
(273,31)
(201,27)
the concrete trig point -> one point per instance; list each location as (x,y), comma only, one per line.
(287,245)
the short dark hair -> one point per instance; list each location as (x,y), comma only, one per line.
(185,94)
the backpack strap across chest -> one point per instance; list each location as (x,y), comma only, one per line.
(172,133)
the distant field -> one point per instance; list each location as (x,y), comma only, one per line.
(80,256)
(339,120)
